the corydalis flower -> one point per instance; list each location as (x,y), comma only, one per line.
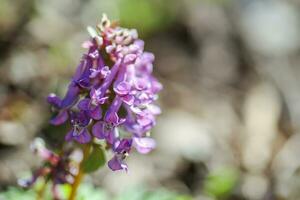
(57,168)
(113,88)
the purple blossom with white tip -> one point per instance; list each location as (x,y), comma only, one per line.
(112,89)
(57,168)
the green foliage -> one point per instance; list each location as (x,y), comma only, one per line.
(220,183)
(65,190)
(147,16)
(143,194)
(89,192)
(15,193)
(95,160)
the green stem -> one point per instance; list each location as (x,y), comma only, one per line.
(41,192)
(80,174)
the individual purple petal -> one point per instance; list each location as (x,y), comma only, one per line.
(28,183)
(136,110)
(84,104)
(129,58)
(141,84)
(84,73)
(144,63)
(140,44)
(80,118)
(122,88)
(111,135)
(111,115)
(117,163)
(54,100)
(97,96)
(105,71)
(154,109)
(98,130)
(84,82)
(128,99)
(137,46)
(87,44)
(131,71)
(83,118)
(112,118)
(137,129)
(71,96)
(108,80)
(144,145)
(123,146)
(143,97)
(94,54)
(102,100)
(69,135)
(149,57)
(145,120)
(38,147)
(83,136)
(94,73)
(60,118)
(121,121)
(155,86)
(110,48)
(94,93)
(96,113)
(80,68)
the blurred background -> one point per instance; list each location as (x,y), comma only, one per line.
(231,99)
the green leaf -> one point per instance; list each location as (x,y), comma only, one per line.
(95,160)
(65,190)
(221,182)
(87,191)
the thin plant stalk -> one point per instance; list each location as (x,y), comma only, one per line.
(41,191)
(80,174)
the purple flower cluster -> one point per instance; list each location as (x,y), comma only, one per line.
(111,95)
(60,169)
